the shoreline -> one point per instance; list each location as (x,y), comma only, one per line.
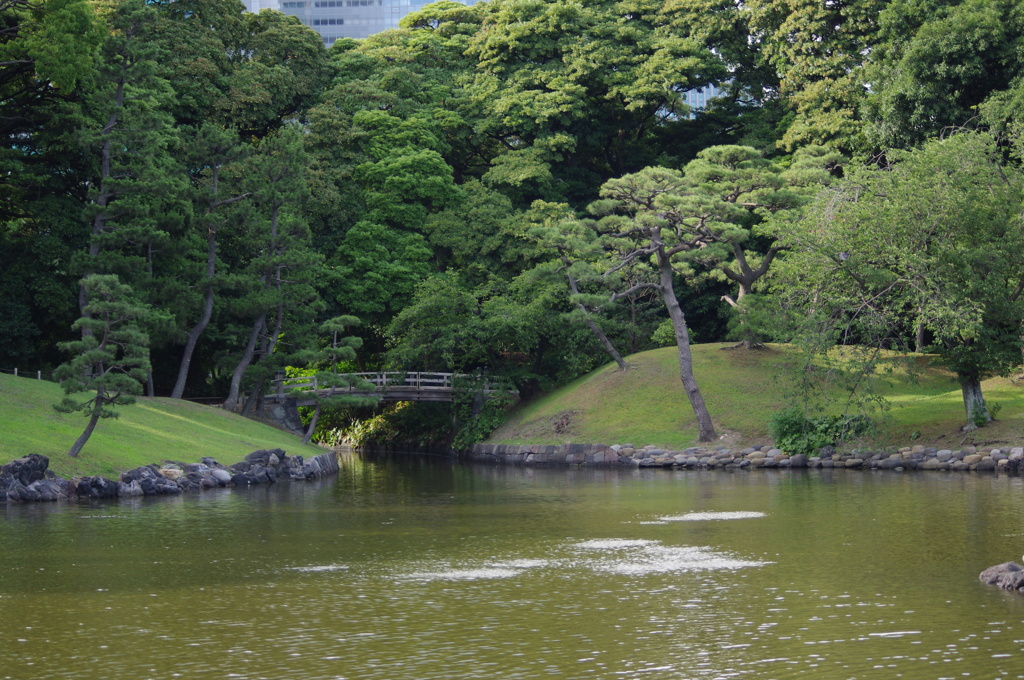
(919,457)
(29,479)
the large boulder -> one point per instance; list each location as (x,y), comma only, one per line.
(139,474)
(26,470)
(97,487)
(1008,576)
(266,458)
(130,489)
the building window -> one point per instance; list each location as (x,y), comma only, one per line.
(328,22)
(292,5)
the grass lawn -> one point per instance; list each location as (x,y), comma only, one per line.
(647,405)
(150,431)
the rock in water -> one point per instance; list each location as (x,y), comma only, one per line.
(1008,576)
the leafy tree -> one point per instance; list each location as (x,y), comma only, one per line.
(477,236)
(444,327)
(931,239)
(206,38)
(935,62)
(135,189)
(728,191)
(515,330)
(46,49)
(818,49)
(581,87)
(403,180)
(111,359)
(52,69)
(279,69)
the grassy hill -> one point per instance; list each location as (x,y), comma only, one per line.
(150,431)
(647,405)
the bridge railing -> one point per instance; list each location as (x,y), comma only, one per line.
(383,381)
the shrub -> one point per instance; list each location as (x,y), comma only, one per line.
(795,433)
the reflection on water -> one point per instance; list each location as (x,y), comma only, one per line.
(706,516)
(412,568)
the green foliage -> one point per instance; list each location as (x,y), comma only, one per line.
(582,86)
(795,433)
(327,387)
(665,336)
(816,51)
(937,62)
(112,358)
(930,242)
(250,183)
(403,426)
(476,427)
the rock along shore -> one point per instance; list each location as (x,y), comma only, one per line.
(968,458)
(29,479)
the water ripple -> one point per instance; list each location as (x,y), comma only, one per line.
(705,516)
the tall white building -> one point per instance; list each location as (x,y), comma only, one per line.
(334,19)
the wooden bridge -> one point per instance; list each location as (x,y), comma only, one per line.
(391,386)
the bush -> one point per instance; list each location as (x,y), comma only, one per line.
(795,433)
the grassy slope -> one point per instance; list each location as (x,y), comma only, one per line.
(150,431)
(647,405)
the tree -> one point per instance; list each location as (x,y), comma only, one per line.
(728,191)
(341,349)
(403,179)
(278,71)
(206,38)
(210,149)
(111,359)
(936,62)
(556,229)
(46,50)
(126,132)
(582,87)
(638,215)
(281,268)
(932,239)
(818,49)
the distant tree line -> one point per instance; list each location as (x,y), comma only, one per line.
(515,187)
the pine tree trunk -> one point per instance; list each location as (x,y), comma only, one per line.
(974,402)
(243,363)
(204,320)
(675,313)
(76,448)
(605,342)
(312,424)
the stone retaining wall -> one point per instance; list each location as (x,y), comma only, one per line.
(601,455)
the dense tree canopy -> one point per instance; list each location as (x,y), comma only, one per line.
(252,187)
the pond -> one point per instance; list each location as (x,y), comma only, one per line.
(417,568)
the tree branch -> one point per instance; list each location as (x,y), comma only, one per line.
(633,289)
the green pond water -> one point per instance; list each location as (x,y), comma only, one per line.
(411,568)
